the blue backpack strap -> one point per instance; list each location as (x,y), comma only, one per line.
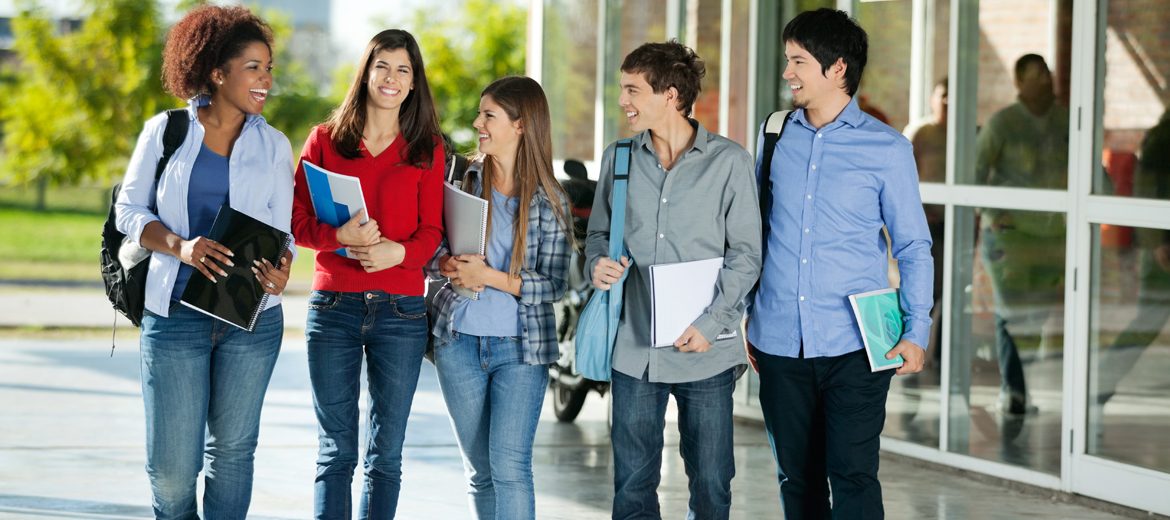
(617,218)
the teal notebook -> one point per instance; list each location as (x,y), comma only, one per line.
(879,317)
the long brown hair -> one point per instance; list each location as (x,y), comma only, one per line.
(417,118)
(523,100)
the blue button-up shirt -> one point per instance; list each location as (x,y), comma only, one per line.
(833,190)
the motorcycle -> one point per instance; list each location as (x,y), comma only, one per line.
(569,388)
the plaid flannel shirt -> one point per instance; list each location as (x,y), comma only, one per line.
(548,250)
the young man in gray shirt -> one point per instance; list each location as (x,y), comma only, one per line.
(691,196)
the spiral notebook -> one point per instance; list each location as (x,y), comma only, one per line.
(465,219)
(239,298)
(336,198)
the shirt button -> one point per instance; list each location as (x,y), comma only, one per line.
(820,135)
(660,166)
(663,200)
(802,298)
(804,260)
(810,196)
(660,235)
(806,230)
(814,166)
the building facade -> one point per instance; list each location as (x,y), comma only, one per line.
(1048,364)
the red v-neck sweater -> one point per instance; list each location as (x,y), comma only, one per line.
(407,203)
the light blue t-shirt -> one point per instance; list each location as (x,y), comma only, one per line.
(495,313)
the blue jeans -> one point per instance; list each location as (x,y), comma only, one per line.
(705,427)
(494,399)
(203,383)
(391,331)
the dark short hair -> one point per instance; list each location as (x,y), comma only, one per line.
(669,64)
(829,34)
(943,82)
(1026,60)
(206,39)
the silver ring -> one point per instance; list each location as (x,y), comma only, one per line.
(270,285)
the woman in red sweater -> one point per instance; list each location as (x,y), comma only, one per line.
(386,133)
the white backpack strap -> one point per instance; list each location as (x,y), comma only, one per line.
(776,122)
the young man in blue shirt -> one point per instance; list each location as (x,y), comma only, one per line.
(837,177)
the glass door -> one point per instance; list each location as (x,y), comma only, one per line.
(1122,450)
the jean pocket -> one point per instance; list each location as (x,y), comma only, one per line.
(410,307)
(323,300)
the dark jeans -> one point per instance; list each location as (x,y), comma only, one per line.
(390,331)
(705,427)
(824,417)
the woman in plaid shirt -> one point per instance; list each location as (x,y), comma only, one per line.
(492,353)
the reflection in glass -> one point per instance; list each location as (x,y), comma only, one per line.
(1008,336)
(569,70)
(1133,120)
(703,28)
(913,404)
(1129,357)
(883,92)
(929,137)
(1022,95)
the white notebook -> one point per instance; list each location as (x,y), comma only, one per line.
(681,293)
(465,219)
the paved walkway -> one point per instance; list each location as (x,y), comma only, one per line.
(71,446)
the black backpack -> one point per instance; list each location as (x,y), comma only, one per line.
(124,262)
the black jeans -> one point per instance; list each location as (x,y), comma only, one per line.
(824,418)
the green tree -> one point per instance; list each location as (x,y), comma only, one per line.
(465,53)
(79,99)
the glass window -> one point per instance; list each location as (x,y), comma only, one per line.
(1023,87)
(913,404)
(570,75)
(1133,120)
(884,92)
(628,24)
(1129,355)
(1008,336)
(740,129)
(702,32)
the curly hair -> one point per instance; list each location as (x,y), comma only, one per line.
(669,64)
(205,40)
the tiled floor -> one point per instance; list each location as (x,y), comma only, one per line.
(71,446)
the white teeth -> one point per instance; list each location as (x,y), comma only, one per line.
(389,91)
(631,114)
(263,91)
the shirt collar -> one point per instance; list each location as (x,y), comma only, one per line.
(852,115)
(202,100)
(701,137)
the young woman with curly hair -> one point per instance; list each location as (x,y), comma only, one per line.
(492,353)
(203,380)
(386,134)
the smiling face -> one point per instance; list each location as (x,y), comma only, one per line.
(389,79)
(645,109)
(498,135)
(244,81)
(811,87)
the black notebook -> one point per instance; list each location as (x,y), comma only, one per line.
(239,298)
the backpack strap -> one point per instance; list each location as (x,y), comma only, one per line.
(173,137)
(773,129)
(617,218)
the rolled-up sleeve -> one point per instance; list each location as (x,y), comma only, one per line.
(597,239)
(743,255)
(133,208)
(910,242)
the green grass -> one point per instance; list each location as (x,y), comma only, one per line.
(62,243)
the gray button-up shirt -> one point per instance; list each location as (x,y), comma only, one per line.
(705,207)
